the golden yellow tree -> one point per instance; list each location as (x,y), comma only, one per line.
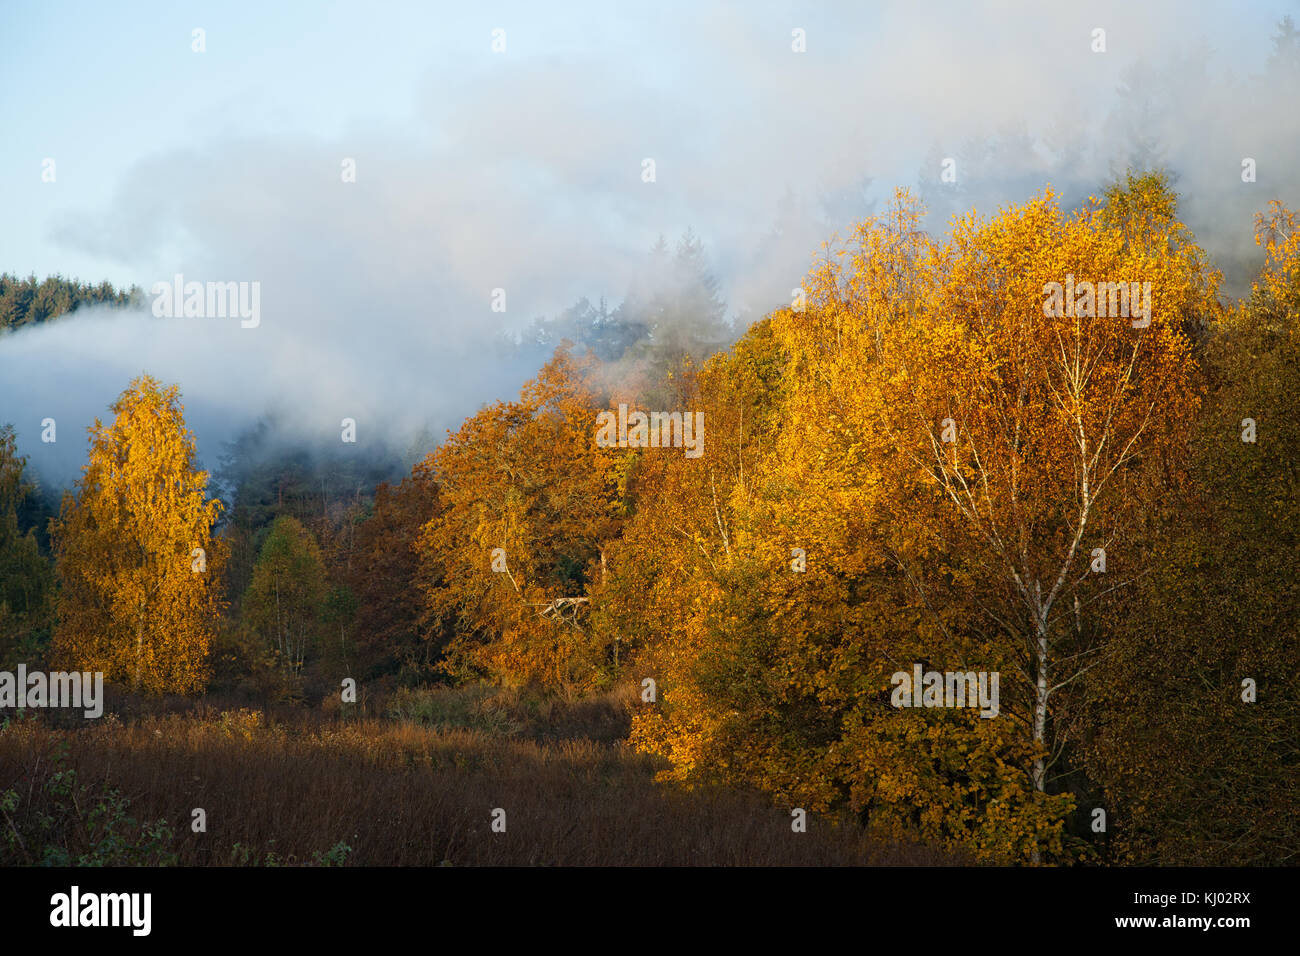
(528,502)
(135,552)
(679,558)
(762,581)
(1046,388)
(950,455)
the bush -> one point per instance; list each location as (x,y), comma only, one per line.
(64,823)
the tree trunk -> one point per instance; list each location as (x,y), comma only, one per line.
(1040,715)
(279,624)
(139,652)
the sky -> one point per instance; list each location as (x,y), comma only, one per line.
(522,168)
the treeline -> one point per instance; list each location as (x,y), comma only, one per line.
(31,301)
(337,518)
(1039,448)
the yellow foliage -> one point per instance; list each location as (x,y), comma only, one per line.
(129,545)
(826,432)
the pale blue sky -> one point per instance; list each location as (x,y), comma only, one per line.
(99,87)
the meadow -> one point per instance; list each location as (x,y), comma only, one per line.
(286,786)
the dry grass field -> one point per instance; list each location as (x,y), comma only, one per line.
(415,789)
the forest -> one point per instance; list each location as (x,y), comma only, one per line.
(953,453)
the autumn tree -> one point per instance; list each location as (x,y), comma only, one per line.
(677,557)
(528,501)
(286,601)
(135,552)
(884,583)
(948,458)
(1192,720)
(761,580)
(384,574)
(1046,412)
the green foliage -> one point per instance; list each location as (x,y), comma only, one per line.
(64,822)
(672,310)
(285,602)
(337,855)
(26,576)
(244,855)
(30,301)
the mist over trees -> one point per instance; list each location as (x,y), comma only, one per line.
(912,461)
(1157,121)
(713,435)
(931,462)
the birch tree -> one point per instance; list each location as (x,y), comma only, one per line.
(135,552)
(1043,418)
